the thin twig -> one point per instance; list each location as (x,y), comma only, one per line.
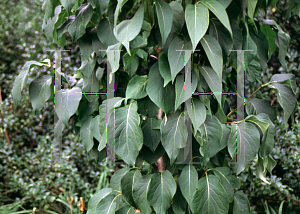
(154,57)
(21,127)
(247,99)
(294,200)
(93,23)
(229,122)
(21,109)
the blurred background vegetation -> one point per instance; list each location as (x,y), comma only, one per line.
(28,179)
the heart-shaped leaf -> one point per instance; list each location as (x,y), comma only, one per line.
(162,189)
(128,133)
(136,88)
(40,91)
(210,197)
(218,9)
(187,182)
(173,134)
(214,53)
(197,20)
(140,192)
(163,97)
(165,19)
(176,55)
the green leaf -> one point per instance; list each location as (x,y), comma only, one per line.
(251,8)
(176,57)
(288,79)
(128,133)
(282,41)
(213,80)
(225,136)
(163,97)
(87,66)
(173,135)
(241,203)
(162,189)
(136,88)
(99,73)
(151,135)
(125,210)
(197,20)
(217,8)
(261,124)
(165,19)
(262,47)
(59,19)
(151,157)
(127,30)
(64,27)
(127,183)
(267,141)
(95,129)
(147,107)
(140,191)
(261,171)
(91,84)
(115,181)
(86,45)
(98,46)
(270,35)
(221,34)
(179,203)
(181,95)
(83,16)
(127,59)
(120,4)
(113,58)
(40,91)
(142,54)
(210,197)
(95,199)
(21,80)
(68,4)
(108,204)
(256,106)
(178,13)
(228,181)
(248,44)
(243,137)
(132,67)
(86,134)
(212,135)
(49,7)
(225,3)
(102,124)
(164,67)
(286,99)
(214,53)
(70,101)
(198,114)
(105,32)
(187,182)
(100,6)
(254,71)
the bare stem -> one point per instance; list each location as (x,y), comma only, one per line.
(247,99)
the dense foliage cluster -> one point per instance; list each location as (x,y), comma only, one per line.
(158,29)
